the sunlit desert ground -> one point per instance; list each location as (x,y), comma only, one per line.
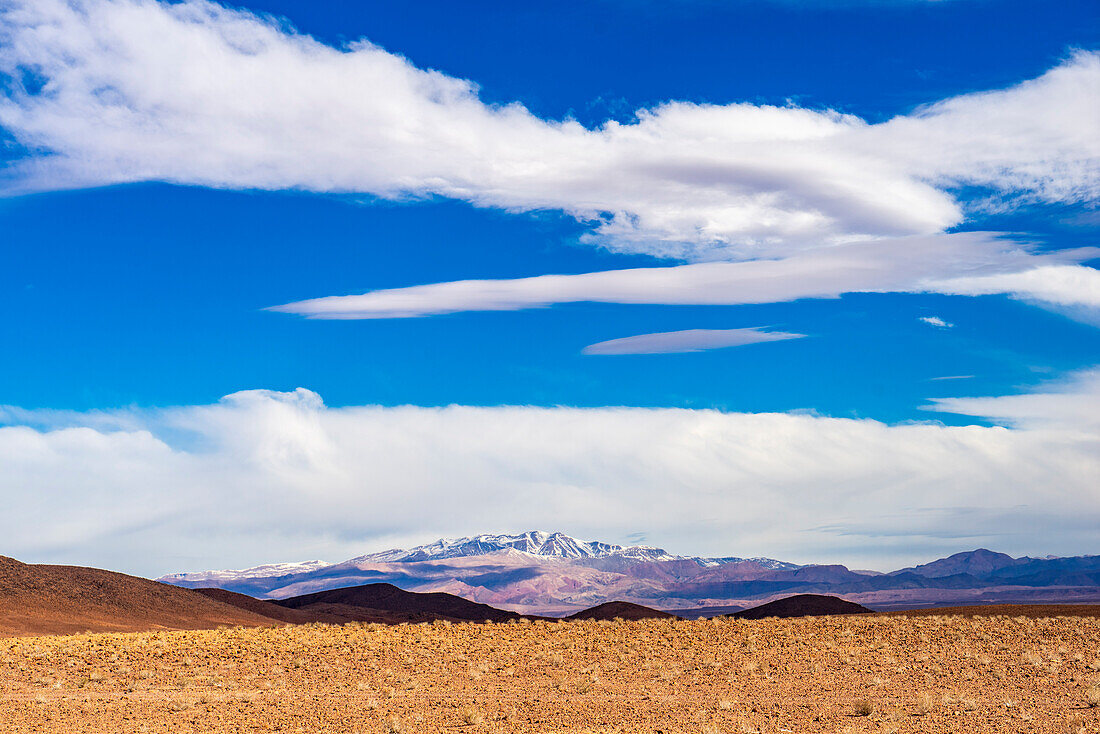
(835,674)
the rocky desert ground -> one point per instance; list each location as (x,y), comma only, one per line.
(934,673)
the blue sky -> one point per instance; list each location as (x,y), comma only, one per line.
(140,261)
(151,294)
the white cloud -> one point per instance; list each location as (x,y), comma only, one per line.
(1075,403)
(264,476)
(690,340)
(910,264)
(935,321)
(1067,285)
(195,93)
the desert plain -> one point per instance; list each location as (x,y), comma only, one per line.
(865,673)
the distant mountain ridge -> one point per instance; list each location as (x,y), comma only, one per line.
(269,570)
(976,562)
(556,574)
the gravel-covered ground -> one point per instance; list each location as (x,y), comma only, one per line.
(834,674)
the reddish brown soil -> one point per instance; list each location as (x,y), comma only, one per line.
(42,599)
(857,674)
(620,610)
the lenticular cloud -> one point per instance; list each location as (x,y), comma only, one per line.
(108,91)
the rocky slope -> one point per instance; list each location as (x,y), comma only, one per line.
(42,600)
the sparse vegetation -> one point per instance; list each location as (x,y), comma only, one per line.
(471,716)
(925,704)
(626,677)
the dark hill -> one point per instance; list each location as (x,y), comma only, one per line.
(803,605)
(268,608)
(621,610)
(389,604)
(46,600)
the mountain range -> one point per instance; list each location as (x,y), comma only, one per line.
(37,599)
(556,574)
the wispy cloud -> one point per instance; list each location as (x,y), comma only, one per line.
(197,93)
(913,264)
(951,377)
(935,321)
(690,340)
(221,485)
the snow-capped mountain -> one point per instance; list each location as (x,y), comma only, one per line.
(533,570)
(538,545)
(270,570)
(534,542)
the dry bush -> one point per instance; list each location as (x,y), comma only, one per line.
(925,704)
(1092,697)
(864,707)
(1075,725)
(471,716)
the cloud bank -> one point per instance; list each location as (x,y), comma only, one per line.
(110,91)
(690,340)
(264,476)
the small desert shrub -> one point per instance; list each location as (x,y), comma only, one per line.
(1092,697)
(864,707)
(394,725)
(925,704)
(471,716)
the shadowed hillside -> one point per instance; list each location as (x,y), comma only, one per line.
(269,609)
(802,605)
(389,604)
(621,610)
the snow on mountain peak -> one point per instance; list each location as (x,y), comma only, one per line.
(268,570)
(535,542)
